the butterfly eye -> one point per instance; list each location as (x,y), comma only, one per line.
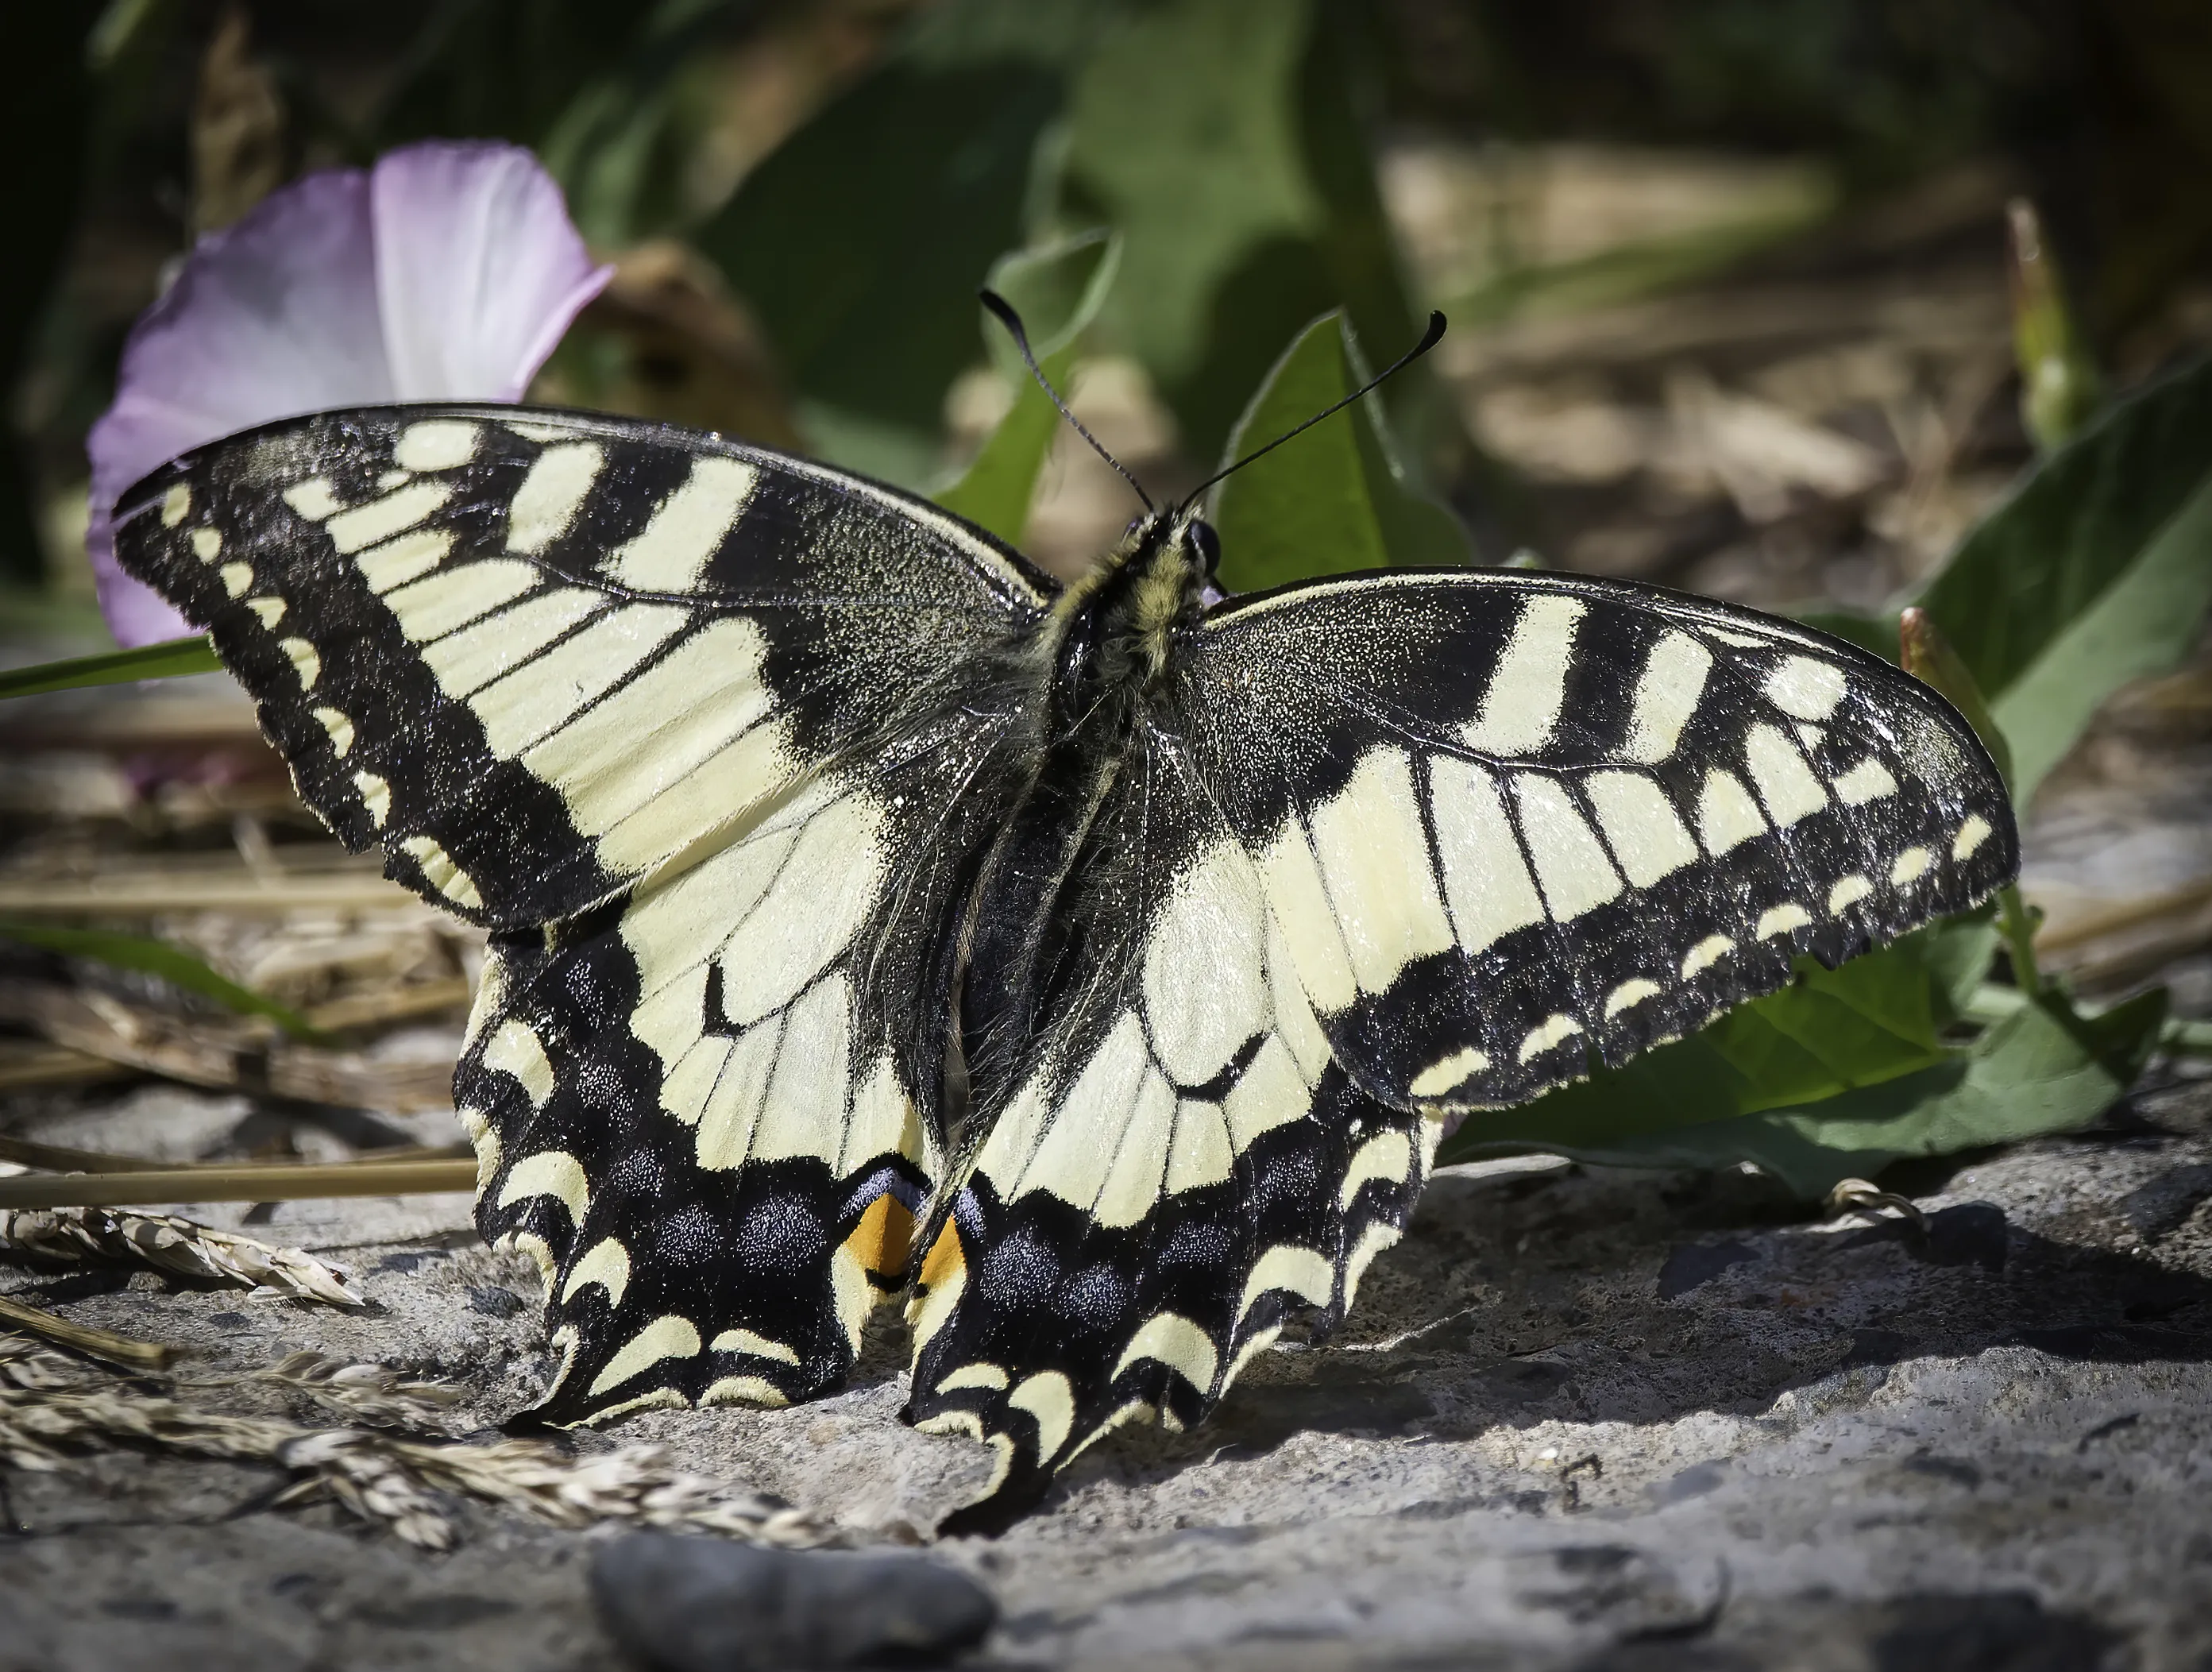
(1207,543)
(1136,524)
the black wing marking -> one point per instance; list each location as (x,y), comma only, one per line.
(711,1111)
(539,655)
(1508,819)
(1179,1167)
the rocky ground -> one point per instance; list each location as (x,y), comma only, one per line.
(1582,1418)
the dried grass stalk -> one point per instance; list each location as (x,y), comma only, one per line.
(401,1484)
(164,894)
(63,1158)
(27,1066)
(171,1244)
(127,1351)
(366,1393)
(281,1181)
(392,1004)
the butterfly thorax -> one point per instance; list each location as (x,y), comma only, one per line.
(1111,645)
(1113,633)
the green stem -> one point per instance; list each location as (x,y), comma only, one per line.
(2181,1035)
(2017,922)
(170,659)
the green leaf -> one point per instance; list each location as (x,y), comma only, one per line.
(2040,1071)
(157,958)
(1222,139)
(1057,290)
(1831,1032)
(1959,949)
(859,242)
(1834,1031)
(2096,571)
(2145,624)
(1337,498)
(170,659)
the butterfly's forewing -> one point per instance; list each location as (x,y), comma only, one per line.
(1179,1163)
(707,737)
(536,654)
(1508,823)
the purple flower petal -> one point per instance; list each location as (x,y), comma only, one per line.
(450,273)
(274,316)
(478,270)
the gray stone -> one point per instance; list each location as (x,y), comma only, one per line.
(701,1605)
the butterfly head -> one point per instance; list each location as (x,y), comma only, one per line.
(1173,536)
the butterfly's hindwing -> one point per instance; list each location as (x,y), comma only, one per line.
(711,1111)
(1509,822)
(537,655)
(1180,1166)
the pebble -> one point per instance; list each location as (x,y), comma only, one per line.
(705,1605)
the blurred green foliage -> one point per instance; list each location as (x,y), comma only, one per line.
(860,243)
(1222,139)
(172,964)
(2100,102)
(1887,87)
(1228,142)
(41,118)
(1216,137)
(1057,291)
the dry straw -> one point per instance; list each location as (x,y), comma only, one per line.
(126,1351)
(174,1245)
(48,1413)
(366,1392)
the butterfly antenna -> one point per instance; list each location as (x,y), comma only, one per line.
(1012,321)
(1429,338)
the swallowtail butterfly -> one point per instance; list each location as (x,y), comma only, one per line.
(1095,965)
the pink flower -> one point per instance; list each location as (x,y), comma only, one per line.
(447,273)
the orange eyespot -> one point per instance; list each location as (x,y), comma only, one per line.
(945,1258)
(879,1241)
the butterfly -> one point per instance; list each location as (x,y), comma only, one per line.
(1094,966)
